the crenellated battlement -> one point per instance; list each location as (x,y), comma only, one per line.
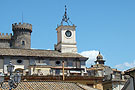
(21,26)
(7,36)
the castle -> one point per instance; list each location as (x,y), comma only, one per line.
(21,37)
(16,48)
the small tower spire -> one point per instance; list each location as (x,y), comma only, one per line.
(99,59)
(65,17)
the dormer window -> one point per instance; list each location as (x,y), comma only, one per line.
(23,42)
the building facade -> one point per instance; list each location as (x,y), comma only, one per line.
(16,48)
(113,79)
(130,83)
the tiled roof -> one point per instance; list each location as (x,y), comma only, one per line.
(49,85)
(130,70)
(38,53)
(116,70)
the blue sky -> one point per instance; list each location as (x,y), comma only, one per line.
(105,25)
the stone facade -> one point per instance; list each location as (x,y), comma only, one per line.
(130,83)
(5,40)
(66,43)
(27,59)
(21,35)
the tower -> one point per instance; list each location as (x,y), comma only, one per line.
(100,59)
(21,36)
(66,36)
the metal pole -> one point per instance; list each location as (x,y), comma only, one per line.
(63,70)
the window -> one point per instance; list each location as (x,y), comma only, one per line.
(57,72)
(19,61)
(70,63)
(83,63)
(23,42)
(10,44)
(46,62)
(57,62)
(38,70)
(32,62)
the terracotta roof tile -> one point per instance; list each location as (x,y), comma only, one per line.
(46,85)
(116,70)
(130,70)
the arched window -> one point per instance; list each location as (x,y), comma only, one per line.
(23,42)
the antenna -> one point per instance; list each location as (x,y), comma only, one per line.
(22,17)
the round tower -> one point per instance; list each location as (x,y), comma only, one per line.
(21,35)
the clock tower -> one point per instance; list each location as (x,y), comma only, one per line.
(66,36)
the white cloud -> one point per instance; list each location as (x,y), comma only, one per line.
(92,54)
(125,66)
(41,48)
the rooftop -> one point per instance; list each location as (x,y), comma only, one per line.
(38,53)
(50,85)
(130,70)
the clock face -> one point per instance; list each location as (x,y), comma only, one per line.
(68,33)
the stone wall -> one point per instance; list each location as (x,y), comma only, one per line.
(5,40)
(21,39)
(21,35)
(4,43)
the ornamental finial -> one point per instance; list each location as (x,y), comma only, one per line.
(99,52)
(65,17)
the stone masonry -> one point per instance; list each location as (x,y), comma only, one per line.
(21,37)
